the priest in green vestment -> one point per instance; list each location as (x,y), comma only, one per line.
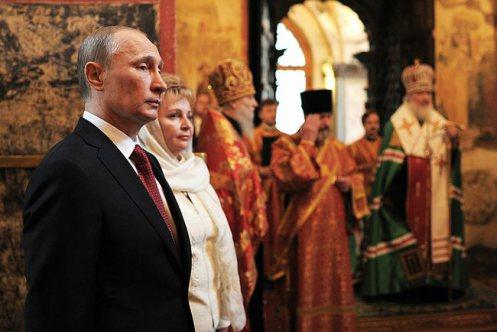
(415,234)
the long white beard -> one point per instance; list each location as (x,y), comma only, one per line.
(247,128)
(422,113)
(246,124)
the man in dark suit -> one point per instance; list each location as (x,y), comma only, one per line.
(106,247)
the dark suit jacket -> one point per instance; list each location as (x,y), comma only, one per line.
(98,254)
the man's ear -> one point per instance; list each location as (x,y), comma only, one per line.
(95,75)
(233,104)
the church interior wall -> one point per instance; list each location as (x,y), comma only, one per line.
(40,102)
(466,83)
(208,32)
(39,98)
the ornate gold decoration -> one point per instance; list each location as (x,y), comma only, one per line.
(17,161)
(231,80)
(413,264)
(480,197)
(418,78)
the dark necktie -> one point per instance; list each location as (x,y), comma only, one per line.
(142,163)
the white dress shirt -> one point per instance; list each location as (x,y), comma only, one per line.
(124,144)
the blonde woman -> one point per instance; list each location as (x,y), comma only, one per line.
(214,292)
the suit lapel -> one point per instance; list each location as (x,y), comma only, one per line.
(184,239)
(124,174)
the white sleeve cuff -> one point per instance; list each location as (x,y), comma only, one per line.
(223,323)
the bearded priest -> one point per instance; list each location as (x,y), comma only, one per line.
(224,138)
(415,234)
(326,191)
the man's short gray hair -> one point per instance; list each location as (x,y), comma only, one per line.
(97,47)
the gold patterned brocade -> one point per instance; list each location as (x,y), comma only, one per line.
(237,183)
(316,218)
(364,153)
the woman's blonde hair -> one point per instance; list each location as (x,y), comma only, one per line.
(176,90)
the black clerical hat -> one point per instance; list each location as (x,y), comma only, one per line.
(317,101)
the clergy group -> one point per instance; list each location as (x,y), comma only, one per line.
(167,209)
(316,221)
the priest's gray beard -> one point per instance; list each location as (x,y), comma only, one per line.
(421,113)
(247,128)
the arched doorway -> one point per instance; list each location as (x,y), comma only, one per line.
(292,76)
(319,40)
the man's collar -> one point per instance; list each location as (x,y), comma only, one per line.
(123,142)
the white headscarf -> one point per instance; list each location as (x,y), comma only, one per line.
(190,175)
